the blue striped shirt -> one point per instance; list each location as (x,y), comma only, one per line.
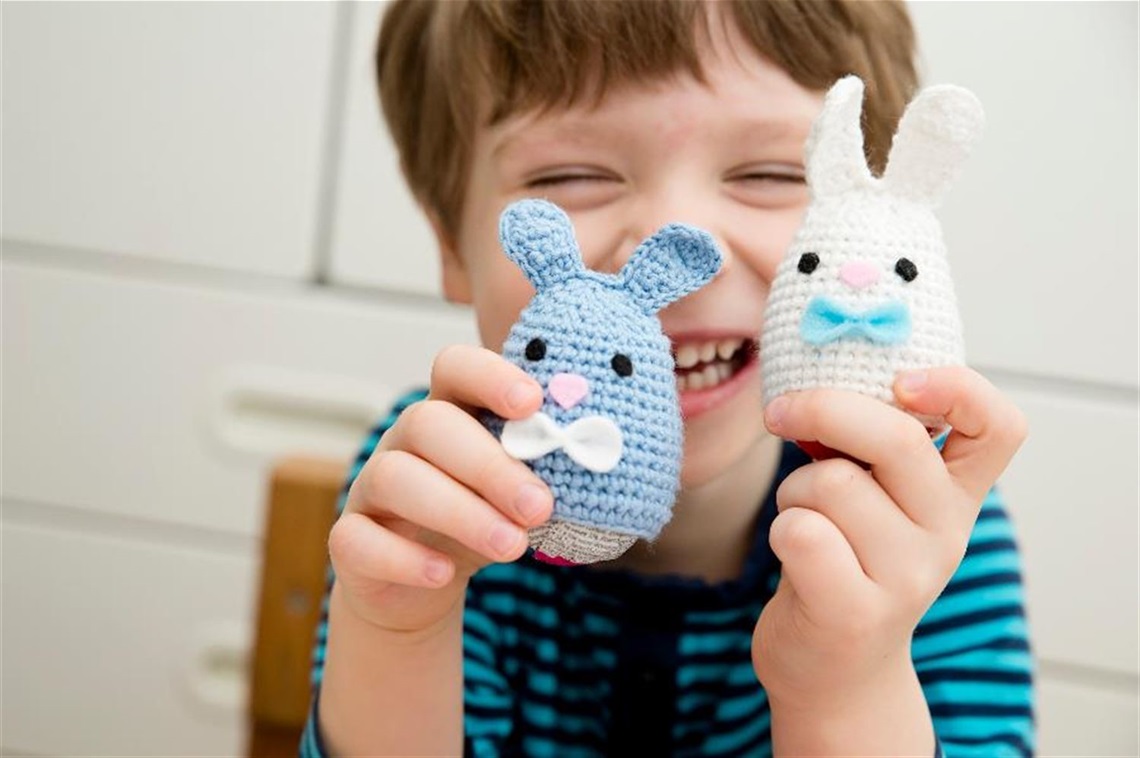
(564,661)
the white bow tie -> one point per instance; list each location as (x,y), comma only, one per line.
(594,442)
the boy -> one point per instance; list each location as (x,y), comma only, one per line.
(778,609)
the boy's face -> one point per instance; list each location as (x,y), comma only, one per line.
(726,156)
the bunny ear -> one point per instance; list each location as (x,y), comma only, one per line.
(675,261)
(935,136)
(834,148)
(538,236)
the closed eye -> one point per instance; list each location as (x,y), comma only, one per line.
(576,190)
(774,186)
(560,179)
(762,176)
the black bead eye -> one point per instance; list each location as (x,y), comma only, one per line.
(905,268)
(808,263)
(622,365)
(535,350)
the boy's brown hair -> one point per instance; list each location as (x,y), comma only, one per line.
(436,59)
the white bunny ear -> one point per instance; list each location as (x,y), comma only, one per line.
(834,149)
(934,138)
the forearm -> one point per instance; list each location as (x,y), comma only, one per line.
(391,694)
(887,716)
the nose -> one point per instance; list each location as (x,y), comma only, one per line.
(859,274)
(568,389)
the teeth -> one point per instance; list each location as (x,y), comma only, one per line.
(709,376)
(687,356)
(692,353)
(706,364)
(726,348)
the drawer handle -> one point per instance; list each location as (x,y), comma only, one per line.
(270,411)
(217,672)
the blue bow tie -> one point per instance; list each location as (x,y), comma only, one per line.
(826,321)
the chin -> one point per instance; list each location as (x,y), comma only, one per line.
(717,441)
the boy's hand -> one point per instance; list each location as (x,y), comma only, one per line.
(439,498)
(866,552)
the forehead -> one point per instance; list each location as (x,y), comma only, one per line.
(743,96)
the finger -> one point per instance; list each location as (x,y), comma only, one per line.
(895,444)
(454,442)
(848,496)
(474,377)
(403,485)
(819,564)
(363,551)
(987,428)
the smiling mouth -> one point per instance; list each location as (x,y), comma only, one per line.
(705,364)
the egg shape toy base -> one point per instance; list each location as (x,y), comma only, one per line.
(566,543)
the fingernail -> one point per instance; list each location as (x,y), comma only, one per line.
(912,381)
(775,411)
(519,394)
(503,538)
(436,570)
(530,502)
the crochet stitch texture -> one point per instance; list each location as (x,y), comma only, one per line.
(585,320)
(864,291)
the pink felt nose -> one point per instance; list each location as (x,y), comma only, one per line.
(568,389)
(859,274)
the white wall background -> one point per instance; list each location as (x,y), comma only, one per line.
(209,260)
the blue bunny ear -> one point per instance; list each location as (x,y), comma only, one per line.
(675,261)
(538,236)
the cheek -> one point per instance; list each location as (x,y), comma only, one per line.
(764,242)
(501,292)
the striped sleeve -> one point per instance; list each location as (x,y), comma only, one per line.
(971,649)
(487,698)
(311,744)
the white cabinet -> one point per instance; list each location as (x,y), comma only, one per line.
(1042,225)
(139,420)
(1086,720)
(115,645)
(380,237)
(184,132)
(166,401)
(1072,493)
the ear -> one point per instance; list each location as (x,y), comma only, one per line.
(934,138)
(453,274)
(833,154)
(675,261)
(538,236)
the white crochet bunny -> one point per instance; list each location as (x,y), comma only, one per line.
(864,291)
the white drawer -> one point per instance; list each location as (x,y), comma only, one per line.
(380,238)
(1072,492)
(168,401)
(1042,226)
(116,646)
(187,132)
(1079,719)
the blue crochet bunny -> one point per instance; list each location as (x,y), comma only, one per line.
(608,437)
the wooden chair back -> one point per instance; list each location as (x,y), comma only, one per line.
(301,510)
